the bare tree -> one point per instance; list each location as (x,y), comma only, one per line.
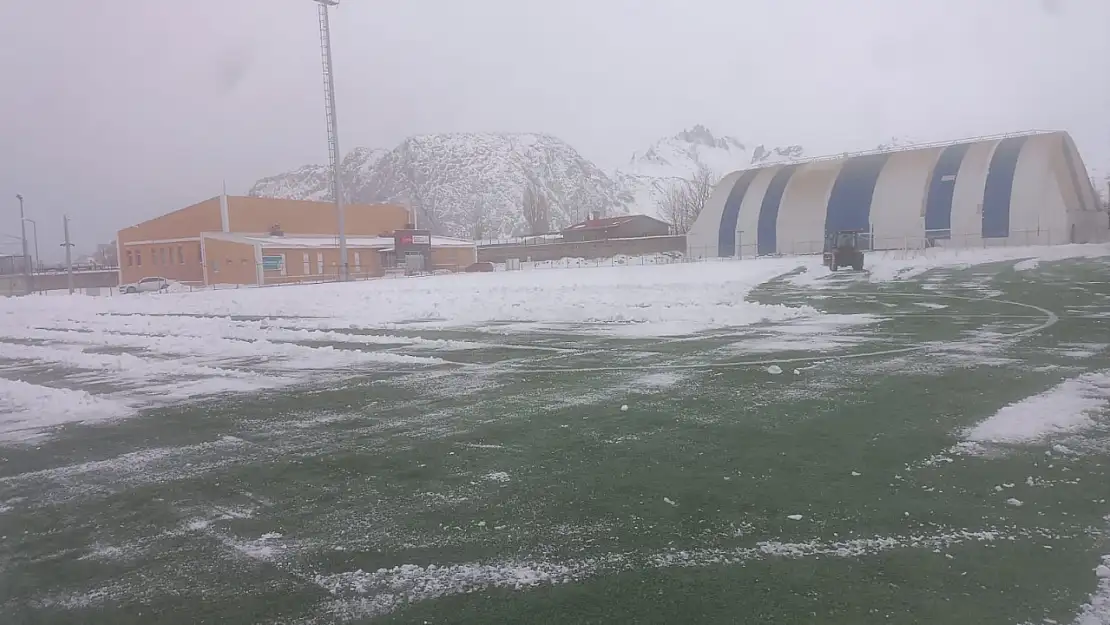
(672,205)
(683,200)
(537,208)
(701,189)
(479,218)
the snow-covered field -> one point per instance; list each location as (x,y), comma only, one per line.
(478,390)
(152,349)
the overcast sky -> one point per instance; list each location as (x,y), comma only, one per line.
(119,111)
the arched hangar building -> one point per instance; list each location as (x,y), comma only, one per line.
(1019,189)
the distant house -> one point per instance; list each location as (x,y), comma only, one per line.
(623,227)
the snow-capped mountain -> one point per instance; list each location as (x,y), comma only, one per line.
(468,184)
(313,182)
(649,173)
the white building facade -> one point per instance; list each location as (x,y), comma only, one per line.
(1019,189)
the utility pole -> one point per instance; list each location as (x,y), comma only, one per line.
(69,257)
(333,131)
(23,238)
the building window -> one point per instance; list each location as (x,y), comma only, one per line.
(163,254)
(200,253)
(180,254)
(358,263)
(130,258)
(320,263)
(307,267)
(139,258)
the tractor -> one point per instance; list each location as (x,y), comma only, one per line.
(842,250)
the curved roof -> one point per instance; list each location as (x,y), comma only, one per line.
(907,148)
(975,189)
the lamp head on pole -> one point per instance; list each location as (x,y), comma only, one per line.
(19,197)
(328,3)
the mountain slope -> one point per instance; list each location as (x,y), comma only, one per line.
(469,184)
(313,182)
(473,185)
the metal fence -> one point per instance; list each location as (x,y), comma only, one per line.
(935,243)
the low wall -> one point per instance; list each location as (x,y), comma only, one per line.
(585,249)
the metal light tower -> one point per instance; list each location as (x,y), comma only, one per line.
(333,130)
(35,230)
(23,236)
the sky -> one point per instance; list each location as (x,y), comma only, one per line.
(115,112)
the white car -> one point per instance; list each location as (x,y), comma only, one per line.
(146,285)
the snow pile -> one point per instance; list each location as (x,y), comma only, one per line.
(27,408)
(1097,609)
(1065,408)
(904,264)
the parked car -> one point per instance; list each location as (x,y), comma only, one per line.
(480,267)
(146,285)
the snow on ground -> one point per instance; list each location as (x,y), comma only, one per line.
(672,299)
(828,332)
(139,351)
(1097,610)
(178,346)
(1065,408)
(26,408)
(366,594)
(888,265)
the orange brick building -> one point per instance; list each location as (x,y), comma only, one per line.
(250,240)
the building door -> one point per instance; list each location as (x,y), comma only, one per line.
(307,267)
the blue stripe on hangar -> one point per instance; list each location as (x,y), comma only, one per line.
(767,233)
(849,205)
(942,187)
(726,235)
(999,188)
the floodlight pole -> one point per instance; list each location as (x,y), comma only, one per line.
(35,230)
(69,258)
(333,130)
(23,239)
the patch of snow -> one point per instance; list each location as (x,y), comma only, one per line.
(794,517)
(498,476)
(1017,503)
(1064,408)
(774,369)
(1097,609)
(27,409)
(659,381)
